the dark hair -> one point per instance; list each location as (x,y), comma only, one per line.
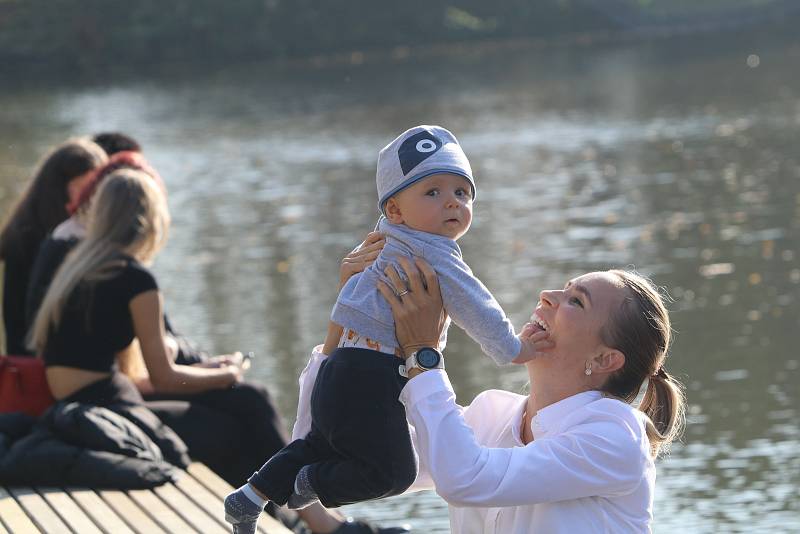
(641,330)
(42,206)
(113,142)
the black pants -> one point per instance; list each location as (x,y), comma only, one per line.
(359,447)
(230,430)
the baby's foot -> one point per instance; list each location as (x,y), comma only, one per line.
(241,512)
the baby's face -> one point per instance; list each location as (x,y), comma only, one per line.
(438,204)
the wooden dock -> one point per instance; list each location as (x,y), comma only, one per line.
(191,505)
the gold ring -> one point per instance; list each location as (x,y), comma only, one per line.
(403,292)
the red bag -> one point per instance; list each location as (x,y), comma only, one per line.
(23,385)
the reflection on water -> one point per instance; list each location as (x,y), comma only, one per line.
(686,169)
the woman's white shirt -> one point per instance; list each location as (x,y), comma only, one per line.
(588,469)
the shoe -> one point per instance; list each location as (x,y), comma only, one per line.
(241,513)
(358,526)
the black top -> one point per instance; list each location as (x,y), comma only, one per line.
(96,321)
(50,257)
(16,274)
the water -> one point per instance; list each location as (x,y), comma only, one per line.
(682,164)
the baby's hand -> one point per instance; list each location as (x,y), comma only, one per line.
(534,344)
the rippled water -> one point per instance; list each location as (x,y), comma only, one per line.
(684,165)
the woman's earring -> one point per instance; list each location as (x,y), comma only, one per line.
(588,369)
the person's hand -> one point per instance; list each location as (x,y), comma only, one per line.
(232,374)
(534,343)
(236,358)
(362,257)
(419,315)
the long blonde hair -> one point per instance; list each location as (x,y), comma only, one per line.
(129,216)
(641,330)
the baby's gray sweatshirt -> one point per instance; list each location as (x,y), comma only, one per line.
(361,308)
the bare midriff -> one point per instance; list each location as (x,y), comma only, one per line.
(64,381)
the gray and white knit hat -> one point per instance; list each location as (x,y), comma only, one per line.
(418,153)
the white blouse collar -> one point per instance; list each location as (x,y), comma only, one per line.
(548,418)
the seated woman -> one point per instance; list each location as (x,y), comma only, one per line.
(42,206)
(573,456)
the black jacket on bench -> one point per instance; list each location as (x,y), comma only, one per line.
(120,446)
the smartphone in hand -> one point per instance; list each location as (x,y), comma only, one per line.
(247,358)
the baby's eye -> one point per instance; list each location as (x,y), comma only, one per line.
(432,192)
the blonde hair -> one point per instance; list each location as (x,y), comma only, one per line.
(641,330)
(129,216)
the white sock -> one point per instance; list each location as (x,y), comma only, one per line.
(253,496)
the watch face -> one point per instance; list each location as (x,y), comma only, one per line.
(428,358)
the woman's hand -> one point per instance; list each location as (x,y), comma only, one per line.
(233,374)
(362,257)
(235,359)
(419,315)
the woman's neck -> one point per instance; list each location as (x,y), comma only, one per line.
(547,390)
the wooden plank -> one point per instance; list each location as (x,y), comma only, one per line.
(209,479)
(101,513)
(39,511)
(69,512)
(189,511)
(203,498)
(128,510)
(160,512)
(13,516)
(218,487)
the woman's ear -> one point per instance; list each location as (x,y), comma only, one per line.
(608,361)
(393,212)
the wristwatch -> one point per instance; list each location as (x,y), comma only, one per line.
(425,359)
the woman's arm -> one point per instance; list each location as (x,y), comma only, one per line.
(598,457)
(165,375)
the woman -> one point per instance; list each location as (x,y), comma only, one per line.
(574,455)
(39,210)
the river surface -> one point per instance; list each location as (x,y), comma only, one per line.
(684,165)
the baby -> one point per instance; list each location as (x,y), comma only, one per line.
(359,446)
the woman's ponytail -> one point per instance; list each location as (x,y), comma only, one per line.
(664,404)
(641,330)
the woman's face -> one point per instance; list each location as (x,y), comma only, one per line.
(574,317)
(75,186)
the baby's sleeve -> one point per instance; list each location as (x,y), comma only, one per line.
(473,308)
